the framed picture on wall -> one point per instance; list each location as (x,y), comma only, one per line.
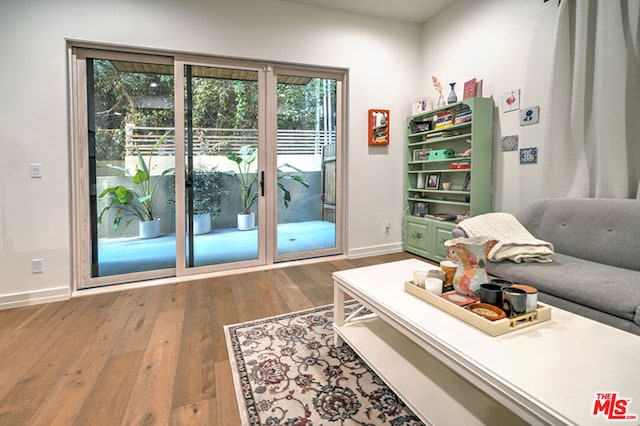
(433,180)
(378,127)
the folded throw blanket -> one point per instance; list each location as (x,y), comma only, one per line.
(515,243)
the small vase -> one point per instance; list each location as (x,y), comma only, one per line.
(441,102)
(453,98)
(472,259)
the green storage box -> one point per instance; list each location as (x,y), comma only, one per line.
(440,154)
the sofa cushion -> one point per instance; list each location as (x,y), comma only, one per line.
(597,229)
(606,288)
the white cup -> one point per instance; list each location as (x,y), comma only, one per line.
(433,285)
(419,278)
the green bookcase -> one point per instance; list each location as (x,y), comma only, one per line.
(435,157)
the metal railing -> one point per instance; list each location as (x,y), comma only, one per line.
(210,141)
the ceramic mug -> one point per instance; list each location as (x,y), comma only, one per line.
(514,301)
(491,294)
(501,282)
(532,296)
(437,273)
(433,285)
(419,278)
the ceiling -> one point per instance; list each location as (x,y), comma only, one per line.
(414,11)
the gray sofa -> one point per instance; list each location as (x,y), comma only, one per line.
(595,270)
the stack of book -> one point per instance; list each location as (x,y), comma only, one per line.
(463,118)
(440,217)
(445,119)
(445,134)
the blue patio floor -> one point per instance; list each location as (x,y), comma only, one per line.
(125,255)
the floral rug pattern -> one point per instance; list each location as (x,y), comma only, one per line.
(288,372)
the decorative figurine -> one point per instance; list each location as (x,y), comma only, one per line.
(438,87)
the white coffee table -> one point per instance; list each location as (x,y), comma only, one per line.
(449,372)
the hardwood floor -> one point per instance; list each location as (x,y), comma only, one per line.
(155,355)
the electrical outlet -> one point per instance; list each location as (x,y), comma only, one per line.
(37,266)
(387,225)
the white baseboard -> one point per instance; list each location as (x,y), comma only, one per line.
(375,250)
(16,300)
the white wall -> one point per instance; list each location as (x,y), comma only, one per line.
(508,44)
(383,59)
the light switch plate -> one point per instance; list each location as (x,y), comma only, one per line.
(36,170)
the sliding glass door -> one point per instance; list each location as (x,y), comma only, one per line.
(224,175)
(186,164)
(306,164)
(129,161)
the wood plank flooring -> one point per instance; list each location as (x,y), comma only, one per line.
(155,355)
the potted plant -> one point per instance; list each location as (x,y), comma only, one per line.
(133,203)
(207,193)
(245,156)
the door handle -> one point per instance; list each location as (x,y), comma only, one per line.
(262,183)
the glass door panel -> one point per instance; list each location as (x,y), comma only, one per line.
(306,166)
(130,113)
(231,163)
(222,178)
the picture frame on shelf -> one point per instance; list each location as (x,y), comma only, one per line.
(467,183)
(420,209)
(469,89)
(421,154)
(421,105)
(421,126)
(433,181)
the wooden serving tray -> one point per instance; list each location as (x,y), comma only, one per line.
(492,328)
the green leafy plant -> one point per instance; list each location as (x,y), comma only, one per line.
(134,202)
(207,191)
(245,156)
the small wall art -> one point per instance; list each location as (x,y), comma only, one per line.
(510,143)
(511,100)
(529,116)
(528,155)
(378,127)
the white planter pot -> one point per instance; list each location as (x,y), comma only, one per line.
(149,228)
(246,222)
(202,223)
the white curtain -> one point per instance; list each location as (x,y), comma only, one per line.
(592,143)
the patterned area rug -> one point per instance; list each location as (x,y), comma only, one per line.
(288,372)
